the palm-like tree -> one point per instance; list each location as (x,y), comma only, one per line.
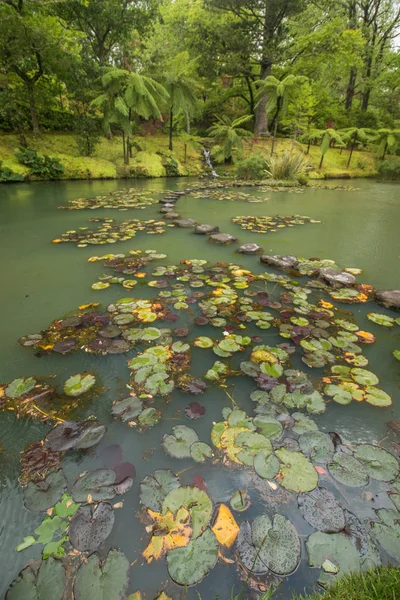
(229,136)
(280,94)
(180,88)
(355,135)
(327,136)
(127,95)
(190,141)
(388,140)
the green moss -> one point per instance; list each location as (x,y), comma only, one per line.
(382,583)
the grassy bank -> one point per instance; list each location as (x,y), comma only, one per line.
(151,157)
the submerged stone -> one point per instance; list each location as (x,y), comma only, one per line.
(388,298)
(279,262)
(206,229)
(185,222)
(337,277)
(249,249)
(223,238)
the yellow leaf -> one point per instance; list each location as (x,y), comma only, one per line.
(168,532)
(225,527)
(136,596)
(90,305)
(163,596)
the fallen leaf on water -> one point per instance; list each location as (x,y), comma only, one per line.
(320,470)
(225,527)
(168,532)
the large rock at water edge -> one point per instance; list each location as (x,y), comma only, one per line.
(388,298)
(185,222)
(206,229)
(337,277)
(249,249)
(222,238)
(279,262)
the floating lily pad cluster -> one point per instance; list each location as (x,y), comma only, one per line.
(263,224)
(120,199)
(109,232)
(129,264)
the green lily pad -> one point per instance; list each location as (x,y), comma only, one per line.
(269,427)
(321,510)
(303,424)
(364,377)
(381,319)
(229,345)
(44,494)
(195,501)
(180,347)
(79,384)
(190,564)
(149,417)
(251,443)
(278,543)
(347,470)
(298,474)
(266,465)
(248,553)
(335,547)
(204,342)
(48,583)
(100,484)
(177,444)
(378,463)
(90,526)
(240,501)
(396,354)
(388,536)
(338,393)
(377,397)
(155,487)
(127,408)
(20,387)
(317,445)
(150,334)
(199,451)
(106,580)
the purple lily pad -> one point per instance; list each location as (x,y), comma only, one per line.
(197,386)
(99,344)
(71,322)
(118,347)
(124,472)
(170,316)
(92,318)
(201,321)
(195,410)
(181,331)
(265,382)
(111,455)
(64,347)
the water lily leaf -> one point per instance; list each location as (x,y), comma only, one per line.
(269,427)
(177,444)
(347,470)
(204,342)
(143,360)
(298,474)
(180,347)
(90,526)
(168,532)
(106,580)
(44,494)
(199,451)
(278,543)
(225,527)
(79,384)
(150,334)
(321,510)
(249,444)
(127,408)
(339,394)
(377,397)
(381,319)
(396,354)
(388,536)
(194,410)
(378,463)
(240,501)
(229,345)
(266,465)
(189,565)
(20,387)
(100,484)
(49,582)
(273,370)
(158,384)
(364,377)
(196,501)
(149,417)
(303,424)
(248,553)
(73,434)
(317,445)
(335,547)
(263,397)
(155,487)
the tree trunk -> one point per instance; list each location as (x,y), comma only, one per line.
(384,151)
(187,122)
(261,114)
(308,146)
(321,161)
(351,88)
(251,96)
(126,159)
(171,122)
(185,158)
(32,105)
(274,136)
(351,150)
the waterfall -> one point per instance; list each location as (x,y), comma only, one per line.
(207,158)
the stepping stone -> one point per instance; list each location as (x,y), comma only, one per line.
(167,200)
(279,262)
(249,249)
(222,238)
(167,208)
(170,216)
(185,222)
(337,277)
(206,229)
(388,298)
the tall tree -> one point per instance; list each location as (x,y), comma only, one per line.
(229,136)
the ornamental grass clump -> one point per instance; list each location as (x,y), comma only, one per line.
(287,167)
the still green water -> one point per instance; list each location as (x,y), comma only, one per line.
(42,282)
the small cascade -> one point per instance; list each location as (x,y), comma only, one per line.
(207,158)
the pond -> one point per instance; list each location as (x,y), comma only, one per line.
(45,283)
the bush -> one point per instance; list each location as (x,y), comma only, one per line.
(171,167)
(7,174)
(47,167)
(253,167)
(389,169)
(287,166)
(87,135)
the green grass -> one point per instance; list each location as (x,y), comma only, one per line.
(382,583)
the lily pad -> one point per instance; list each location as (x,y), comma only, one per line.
(240,501)
(364,377)
(199,451)
(44,494)
(127,408)
(377,397)
(190,564)
(204,342)
(48,583)
(74,434)
(298,474)
(381,319)
(178,444)
(278,543)
(248,553)
(20,387)
(196,501)
(106,580)
(79,384)
(347,470)
(388,536)
(194,410)
(335,547)
(91,525)
(322,511)
(317,445)
(266,465)
(100,485)
(149,416)
(154,488)
(378,463)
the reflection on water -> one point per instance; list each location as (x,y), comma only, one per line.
(42,282)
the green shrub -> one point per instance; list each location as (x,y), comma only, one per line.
(45,166)
(7,174)
(171,167)
(287,166)
(389,169)
(253,167)
(87,135)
